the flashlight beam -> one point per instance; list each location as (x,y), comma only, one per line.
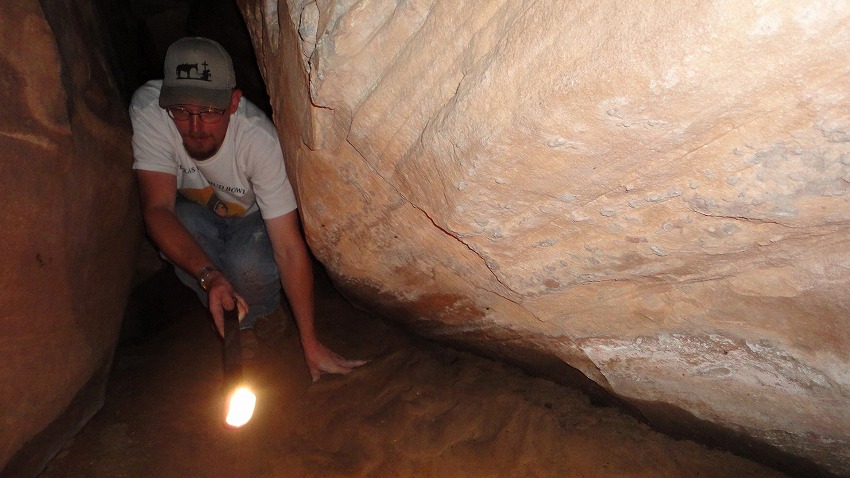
(240,406)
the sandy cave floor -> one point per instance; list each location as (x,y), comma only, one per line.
(416,410)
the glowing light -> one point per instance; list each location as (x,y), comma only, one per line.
(241,407)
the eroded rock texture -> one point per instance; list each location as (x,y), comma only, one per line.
(70,226)
(655,193)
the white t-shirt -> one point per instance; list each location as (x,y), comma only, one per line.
(245,174)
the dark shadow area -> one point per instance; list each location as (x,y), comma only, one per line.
(681,424)
(142,30)
(153,305)
(34,455)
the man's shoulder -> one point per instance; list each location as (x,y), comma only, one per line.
(146,95)
(253,124)
(252,113)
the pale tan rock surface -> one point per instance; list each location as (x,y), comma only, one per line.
(70,227)
(653,193)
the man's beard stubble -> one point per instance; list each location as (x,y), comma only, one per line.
(200,154)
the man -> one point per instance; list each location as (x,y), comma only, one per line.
(215,197)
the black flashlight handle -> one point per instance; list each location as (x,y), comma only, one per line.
(232,346)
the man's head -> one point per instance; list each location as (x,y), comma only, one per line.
(199,92)
(197,72)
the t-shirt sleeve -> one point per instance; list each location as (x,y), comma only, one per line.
(152,149)
(275,196)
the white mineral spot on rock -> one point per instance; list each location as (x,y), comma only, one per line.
(766,25)
(579,216)
(556,142)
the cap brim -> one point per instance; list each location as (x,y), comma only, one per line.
(186,95)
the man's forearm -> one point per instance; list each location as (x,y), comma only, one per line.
(296,273)
(157,192)
(296,277)
(175,241)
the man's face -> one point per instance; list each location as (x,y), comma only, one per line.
(202,139)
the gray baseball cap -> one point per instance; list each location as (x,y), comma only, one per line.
(197,71)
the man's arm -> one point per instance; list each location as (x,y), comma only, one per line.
(158,192)
(296,277)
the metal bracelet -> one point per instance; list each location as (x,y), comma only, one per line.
(204,275)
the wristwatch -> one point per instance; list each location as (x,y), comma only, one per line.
(204,276)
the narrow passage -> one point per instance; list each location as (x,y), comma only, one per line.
(416,410)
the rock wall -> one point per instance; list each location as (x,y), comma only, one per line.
(70,227)
(655,194)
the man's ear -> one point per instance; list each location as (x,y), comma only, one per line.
(234,101)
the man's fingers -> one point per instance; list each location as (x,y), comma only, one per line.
(339,366)
(323,360)
(242,305)
(351,364)
(217,307)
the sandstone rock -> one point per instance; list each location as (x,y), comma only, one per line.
(654,194)
(71,227)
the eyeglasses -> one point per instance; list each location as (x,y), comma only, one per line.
(210,116)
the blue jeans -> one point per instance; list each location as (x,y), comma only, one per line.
(240,247)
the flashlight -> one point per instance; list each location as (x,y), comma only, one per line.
(240,403)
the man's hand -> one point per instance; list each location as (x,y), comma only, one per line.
(296,277)
(222,297)
(321,359)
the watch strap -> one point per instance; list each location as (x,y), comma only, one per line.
(204,276)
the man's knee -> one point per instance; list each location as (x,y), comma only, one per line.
(190,214)
(252,267)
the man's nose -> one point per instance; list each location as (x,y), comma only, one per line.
(195,123)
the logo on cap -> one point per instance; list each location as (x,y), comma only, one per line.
(187,68)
